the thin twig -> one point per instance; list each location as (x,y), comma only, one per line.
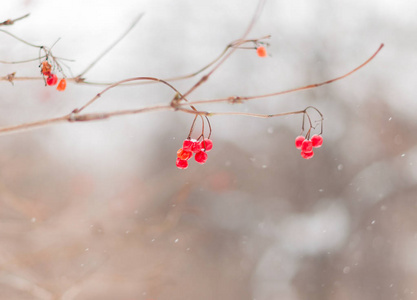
(244,114)
(18,62)
(33,59)
(235,44)
(11,22)
(36,124)
(111,46)
(237,99)
(124,81)
(20,40)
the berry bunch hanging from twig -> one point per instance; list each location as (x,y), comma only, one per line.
(51,65)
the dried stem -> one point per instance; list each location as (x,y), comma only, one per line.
(11,22)
(31,125)
(111,46)
(192,127)
(20,40)
(238,99)
(208,122)
(124,81)
(19,62)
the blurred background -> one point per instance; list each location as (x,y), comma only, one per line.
(98,210)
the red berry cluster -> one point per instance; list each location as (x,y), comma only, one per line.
(51,78)
(193,146)
(307,146)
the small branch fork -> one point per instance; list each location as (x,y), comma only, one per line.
(179,101)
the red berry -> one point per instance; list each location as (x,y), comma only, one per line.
(307,155)
(298,141)
(62,85)
(182,164)
(317,140)
(52,79)
(187,145)
(261,51)
(184,154)
(196,147)
(307,146)
(206,145)
(201,157)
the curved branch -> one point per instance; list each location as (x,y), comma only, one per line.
(239,99)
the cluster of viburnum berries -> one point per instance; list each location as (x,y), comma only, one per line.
(51,78)
(307,145)
(189,147)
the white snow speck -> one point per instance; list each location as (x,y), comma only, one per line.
(33,220)
(373,222)
(346,270)
(176,240)
(340,167)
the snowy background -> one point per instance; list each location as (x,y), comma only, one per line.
(98,210)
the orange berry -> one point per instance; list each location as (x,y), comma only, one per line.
(46,68)
(261,51)
(184,154)
(62,85)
